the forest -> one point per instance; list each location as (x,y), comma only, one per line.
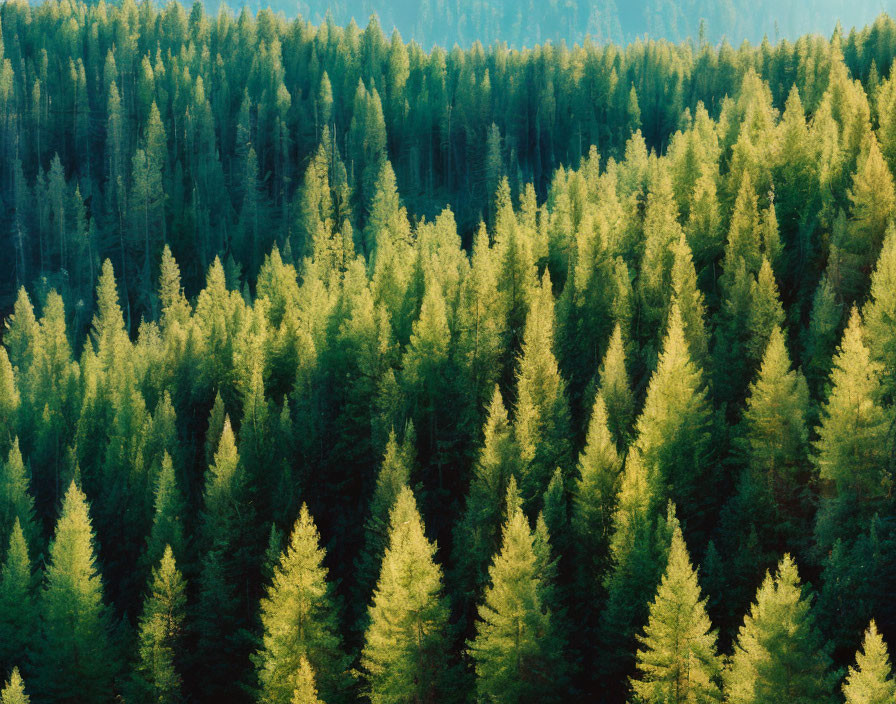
(336,370)
(526,23)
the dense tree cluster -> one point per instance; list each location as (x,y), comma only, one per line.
(297,404)
(529,23)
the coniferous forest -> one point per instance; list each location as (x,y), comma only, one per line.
(337,370)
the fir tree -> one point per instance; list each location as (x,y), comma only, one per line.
(615,389)
(405,652)
(594,505)
(18,615)
(678,661)
(167,524)
(879,313)
(15,498)
(394,475)
(14,690)
(870,681)
(673,431)
(541,424)
(515,650)
(299,618)
(157,677)
(779,654)
(477,534)
(852,440)
(74,654)
(305,691)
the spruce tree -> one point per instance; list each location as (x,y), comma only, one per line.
(15,498)
(851,450)
(405,651)
(299,618)
(678,662)
(775,444)
(870,681)
(615,389)
(541,424)
(75,658)
(594,506)
(18,613)
(879,314)
(478,533)
(779,654)
(157,677)
(394,475)
(14,690)
(167,524)
(305,691)
(515,650)
(673,432)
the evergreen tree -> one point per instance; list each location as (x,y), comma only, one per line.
(879,314)
(541,424)
(775,444)
(299,618)
(779,653)
(477,535)
(870,681)
(594,505)
(678,661)
(305,691)
(18,614)
(157,677)
(673,432)
(516,650)
(394,475)
(615,389)
(16,503)
(851,450)
(75,658)
(14,690)
(167,524)
(405,651)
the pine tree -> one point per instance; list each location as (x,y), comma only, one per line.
(852,440)
(879,313)
(477,535)
(299,618)
(765,313)
(515,651)
(855,247)
(14,690)
(673,431)
(229,557)
(541,424)
(394,474)
(870,681)
(405,650)
(75,657)
(15,498)
(594,505)
(775,443)
(678,662)
(157,677)
(687,294)
(779,655)
(10,399)
(167,523)
(615,389)
(305,691)
(18,615)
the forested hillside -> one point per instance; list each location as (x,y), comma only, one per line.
(335,371)
(525,23)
